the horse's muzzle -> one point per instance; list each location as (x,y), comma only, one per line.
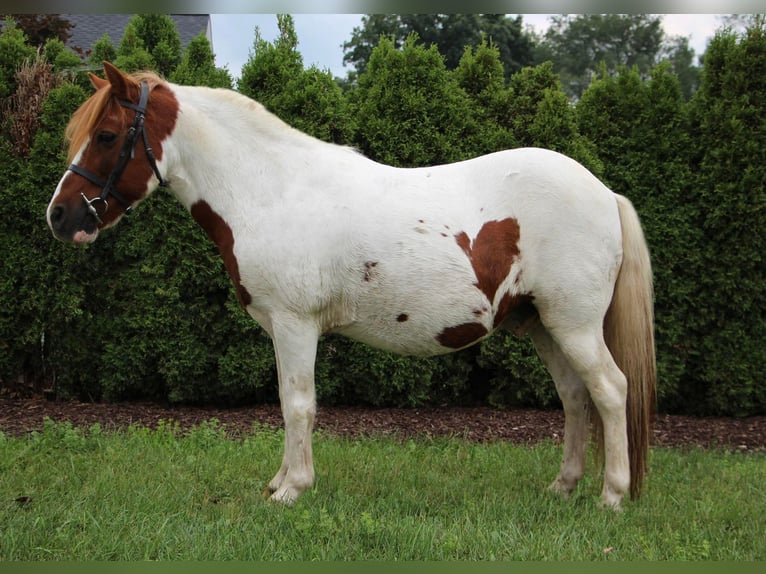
(75,224)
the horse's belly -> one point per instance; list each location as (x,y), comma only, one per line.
(430,320)
(413,339)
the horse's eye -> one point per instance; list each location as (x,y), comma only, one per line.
(106,138)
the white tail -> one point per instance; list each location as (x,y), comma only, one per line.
(629,334)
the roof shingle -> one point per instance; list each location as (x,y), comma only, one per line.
(87,28)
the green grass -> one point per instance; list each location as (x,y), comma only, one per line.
(143,494)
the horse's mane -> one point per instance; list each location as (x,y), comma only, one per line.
(93,110)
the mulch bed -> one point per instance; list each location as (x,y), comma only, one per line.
(479,424)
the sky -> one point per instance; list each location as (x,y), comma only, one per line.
(321,36)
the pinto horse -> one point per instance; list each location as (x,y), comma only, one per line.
(319,239)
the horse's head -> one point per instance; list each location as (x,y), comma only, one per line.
(115,151)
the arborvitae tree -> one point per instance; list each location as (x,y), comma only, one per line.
(481,75)
(638,128)
(150,41)
(314,103)
(541,116)
(14,49)
(729,191)
(309,100)
(272,65)
(197,67)
(409,108)
(132,56)
(121,318)
(42,280)
(102,51)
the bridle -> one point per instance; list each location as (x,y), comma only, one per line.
(108,186)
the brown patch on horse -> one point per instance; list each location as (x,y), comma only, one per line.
(402,318)
(369,270)
(516,313)
(492,253)
(220,233)
(461,336)
(161,113)
(103,113)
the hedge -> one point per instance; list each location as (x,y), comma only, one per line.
(148,311)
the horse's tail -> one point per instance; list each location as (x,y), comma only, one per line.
(629,334)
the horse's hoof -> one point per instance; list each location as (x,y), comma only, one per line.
(613,505)
(560,489)
(284,496)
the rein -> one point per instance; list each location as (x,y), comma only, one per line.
(108,186)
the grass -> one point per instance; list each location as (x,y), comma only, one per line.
(143,494)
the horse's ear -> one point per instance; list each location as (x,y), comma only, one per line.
(97,82)
(119,81)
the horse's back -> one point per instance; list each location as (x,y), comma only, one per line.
(453,252)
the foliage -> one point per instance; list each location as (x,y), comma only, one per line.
(681,58)
(149,312)
(448,33)
(271,66)
(409,109)
(34,80)
(638,128)
(309,100)
(151,41)
(103,51)
(41,28)
(41,282)
(579,45)
(197,67)
(481,76)
(14,49)
(729,193)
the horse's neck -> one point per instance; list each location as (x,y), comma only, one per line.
(224,142)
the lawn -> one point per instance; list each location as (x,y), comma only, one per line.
(141,494)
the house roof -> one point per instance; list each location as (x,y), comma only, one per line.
(87,28)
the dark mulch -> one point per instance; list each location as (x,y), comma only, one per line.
(481,424)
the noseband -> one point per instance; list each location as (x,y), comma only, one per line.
(108,186)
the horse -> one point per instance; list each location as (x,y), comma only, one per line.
(319,239)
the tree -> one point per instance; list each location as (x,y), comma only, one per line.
(729,161)
(150,41)
(637,126)
(410,110)
(39,28)
(450,33)
(481,75)
(102,51)
(271,66)
(541,116)
(40,286)
(14,49)
(577,45)
(681,57)
(309,100)
(197,67)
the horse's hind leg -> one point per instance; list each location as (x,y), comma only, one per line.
(589,357)
(574,397)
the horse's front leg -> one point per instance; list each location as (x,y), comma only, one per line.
(295,344)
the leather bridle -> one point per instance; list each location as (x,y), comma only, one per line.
(108,186)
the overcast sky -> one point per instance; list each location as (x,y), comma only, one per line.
(321,36)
